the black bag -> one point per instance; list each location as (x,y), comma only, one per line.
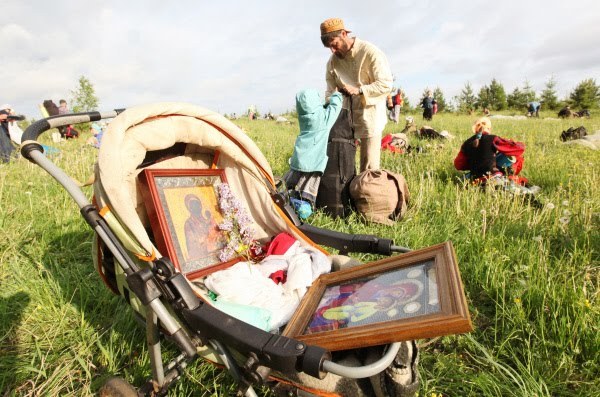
(573,133)
(334,189)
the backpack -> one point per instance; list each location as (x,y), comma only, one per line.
(429,133)
(334,194)
(573,133)
(379,196)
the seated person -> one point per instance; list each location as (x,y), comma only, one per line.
(310,150)
(485,155)
(96,137)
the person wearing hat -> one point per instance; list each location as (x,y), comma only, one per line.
(362,73)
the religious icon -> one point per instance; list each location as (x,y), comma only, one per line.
(184,214)
(410,296)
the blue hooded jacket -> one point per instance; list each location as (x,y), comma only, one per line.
(310,149)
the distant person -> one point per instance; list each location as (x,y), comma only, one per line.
(361,72)
(310,150)
(10,124)
(6,146)
(398,101)
(389,103)
(96,139)
(427,105)
(252,113)
(62,107)
(533,109)
(66,131)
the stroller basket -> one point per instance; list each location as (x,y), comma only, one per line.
(186,136)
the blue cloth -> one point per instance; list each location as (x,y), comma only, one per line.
(99,138)
(252,315)
(533,106)
(503,161)
(97,128)
(49,150)
(310,149)
(303,208)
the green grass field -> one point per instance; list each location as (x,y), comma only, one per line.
(530,272)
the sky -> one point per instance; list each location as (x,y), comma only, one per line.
(228,55)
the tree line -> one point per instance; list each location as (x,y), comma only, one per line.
(586,95)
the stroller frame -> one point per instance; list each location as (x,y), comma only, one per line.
(163,290)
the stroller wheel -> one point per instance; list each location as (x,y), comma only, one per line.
(117,387)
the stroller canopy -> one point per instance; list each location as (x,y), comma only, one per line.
(190,137)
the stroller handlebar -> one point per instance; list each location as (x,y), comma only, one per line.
(32,132)
(274,351)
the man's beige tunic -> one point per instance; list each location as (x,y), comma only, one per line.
(364,66)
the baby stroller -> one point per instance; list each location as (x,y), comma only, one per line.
(182,136)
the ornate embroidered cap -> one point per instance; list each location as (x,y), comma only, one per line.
(332,25)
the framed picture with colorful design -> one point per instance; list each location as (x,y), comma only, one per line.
(410,296)
(184,214)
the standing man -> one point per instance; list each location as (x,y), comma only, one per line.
(362,73)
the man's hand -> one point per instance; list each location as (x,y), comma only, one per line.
(350,90)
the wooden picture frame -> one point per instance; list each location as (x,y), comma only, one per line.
(410,296)
(183,209)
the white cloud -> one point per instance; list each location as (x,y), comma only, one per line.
(225,57)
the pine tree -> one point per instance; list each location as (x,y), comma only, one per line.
(548,96)
(516,99)
(484,98)
(438,95)
(528,92)
(586,95)
(84,97)
(466,101)
(497,95)
(492,96)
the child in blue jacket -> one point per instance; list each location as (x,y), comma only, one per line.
(310,150)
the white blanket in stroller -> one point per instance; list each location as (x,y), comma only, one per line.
(249,284)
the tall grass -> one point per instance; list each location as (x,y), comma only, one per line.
(530,271)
